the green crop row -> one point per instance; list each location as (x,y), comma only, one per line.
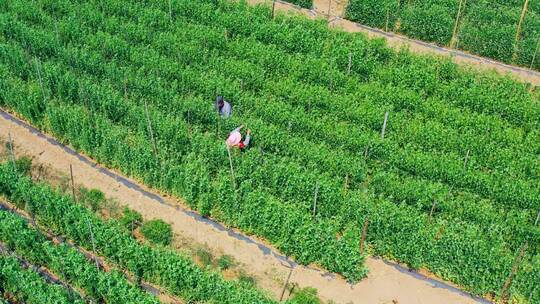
(163,267)
(312,127)
(68,264)
(135,87)
(484,28)
(28,286)
(475,183)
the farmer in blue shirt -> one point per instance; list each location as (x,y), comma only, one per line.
(223,107)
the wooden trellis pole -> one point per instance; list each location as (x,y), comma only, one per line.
(149,124)
(387,19)
(233,179)
(453,40)
(432,210)
(346,183)
(72,183)
(384,125)
(366,151)
(537,218)
(518,30)
(535,52)
(273,8)
(11,152)
(513,272)
(40,80)
(170,10)
(350,64)
(364,235)
(315,199)
(329,9)
(93,242)
(286,284)
(466,159)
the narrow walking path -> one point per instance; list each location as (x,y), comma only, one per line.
(386,282)
(337,9)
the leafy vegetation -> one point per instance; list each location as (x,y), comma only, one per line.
(28,286)
(486,28)
(68,263)
(108,239)
(92,198)
(305,296)
(130,219)
(302,3)
(453,186)
(157,232)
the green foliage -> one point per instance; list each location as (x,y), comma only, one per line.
(92,198)
(302,3)
(205,257)
(24,165)
(225,262)
(157,232)
(68,264)
(160,266)
(316,124)
(306,295)
(246,279)
(29,287)
(130,219)
(486,28)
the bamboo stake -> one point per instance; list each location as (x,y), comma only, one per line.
(535,52)
(350,64)
(456,24)
(286,284)
(273,8)
(72,182)
(11,152)
(513,272)
(432,210)
(93,242)
(537,219)
(466,159)
(40,81)
(366,151)
(154,146)
(384,125)
(170,10)
(518,31)
(346,183)
(387,19)
(315,199)
(364,234)
(233,179)
(329,9)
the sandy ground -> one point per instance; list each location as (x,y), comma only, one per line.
(386,282)
(337,8)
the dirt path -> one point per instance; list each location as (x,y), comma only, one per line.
(337,8)
(386,281)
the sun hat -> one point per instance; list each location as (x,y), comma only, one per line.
(234,138)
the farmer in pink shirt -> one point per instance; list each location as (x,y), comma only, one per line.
(235,138)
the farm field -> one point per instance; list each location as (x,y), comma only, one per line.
(452,187)
(59,215)
(485,28)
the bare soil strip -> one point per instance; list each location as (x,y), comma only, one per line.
(386,282)
(397,41)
